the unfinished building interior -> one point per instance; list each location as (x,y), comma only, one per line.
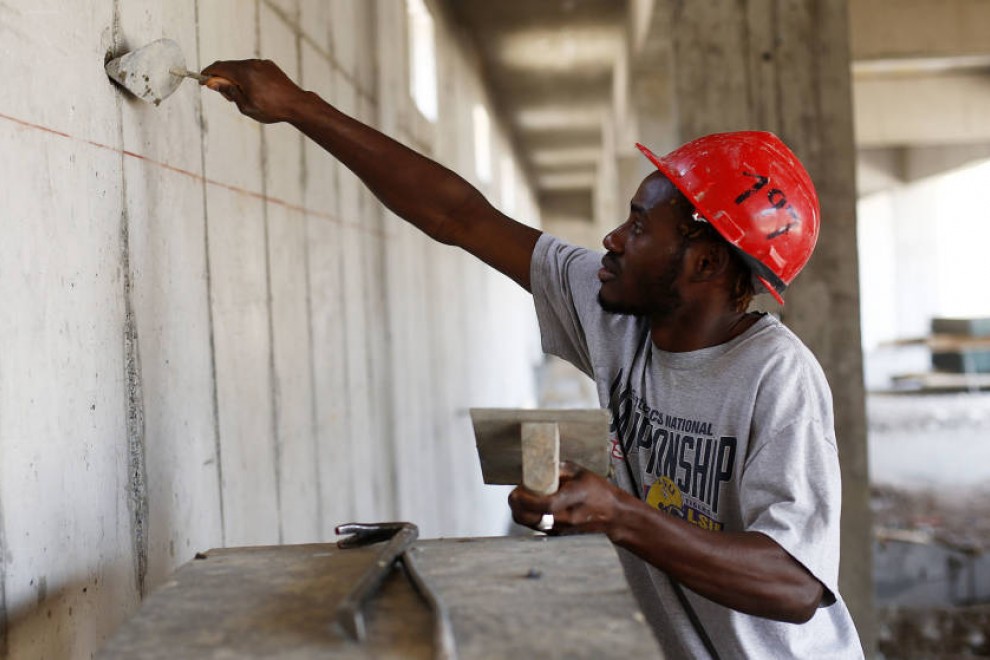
(215,336)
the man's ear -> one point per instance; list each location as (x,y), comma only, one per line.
(709,261)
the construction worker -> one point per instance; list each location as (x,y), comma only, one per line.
(724,495)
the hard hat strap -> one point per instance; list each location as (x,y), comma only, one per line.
(762,274)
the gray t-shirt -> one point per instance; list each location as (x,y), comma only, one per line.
(735,437)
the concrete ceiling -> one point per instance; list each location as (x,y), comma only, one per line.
(921,72)
(550,64)
(921,87)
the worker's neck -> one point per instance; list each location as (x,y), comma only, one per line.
(692,328)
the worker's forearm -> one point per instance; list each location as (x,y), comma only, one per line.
(745,571)
(414,187)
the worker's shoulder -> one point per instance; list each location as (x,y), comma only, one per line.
(770,331)
(780,348)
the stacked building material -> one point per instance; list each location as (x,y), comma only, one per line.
(961,345)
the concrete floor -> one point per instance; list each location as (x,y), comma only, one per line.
(930,477)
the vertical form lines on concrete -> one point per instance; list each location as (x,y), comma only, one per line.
(137,473)
(351,485)
(310,349)
(272,373)
(390,425)
(348,377)
(351,472)
(373,253)
(209,294)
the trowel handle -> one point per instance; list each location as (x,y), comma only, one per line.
(541,457)
(199,77)
(216,82)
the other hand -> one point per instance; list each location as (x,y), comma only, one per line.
(260,89)
(584,503)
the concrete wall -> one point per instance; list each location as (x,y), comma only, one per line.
(212,335)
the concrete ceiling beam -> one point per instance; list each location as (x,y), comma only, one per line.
(586,156)
(556,116)
(575,89)
(922,110)
(882,168)
(585,48)
(572,180)
(887,29)
(485,15)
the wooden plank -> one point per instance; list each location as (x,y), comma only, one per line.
(272,602)
(935,382)
(536,597)
(498,436)
(527,597)
(943,342)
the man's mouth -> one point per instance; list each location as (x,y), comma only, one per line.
(609,269)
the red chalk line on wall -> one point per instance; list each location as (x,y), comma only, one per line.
(198,177)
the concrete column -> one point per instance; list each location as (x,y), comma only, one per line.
(784,66)
(649,96)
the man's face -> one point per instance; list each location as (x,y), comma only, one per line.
(645,257)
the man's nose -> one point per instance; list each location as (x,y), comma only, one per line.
(614,240)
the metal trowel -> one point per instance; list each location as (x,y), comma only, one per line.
(152,73)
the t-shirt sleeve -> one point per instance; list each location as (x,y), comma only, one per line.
(565,291)
(791,481)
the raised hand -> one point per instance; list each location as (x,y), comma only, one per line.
(260,89)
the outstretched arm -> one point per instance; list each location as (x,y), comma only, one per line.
(421,191)
(746,571)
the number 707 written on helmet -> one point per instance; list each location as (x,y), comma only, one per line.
(724,176)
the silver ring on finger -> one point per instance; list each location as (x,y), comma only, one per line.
(546,523)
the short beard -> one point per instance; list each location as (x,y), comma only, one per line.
(613,309)
(663,294)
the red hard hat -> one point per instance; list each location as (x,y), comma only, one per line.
(756,193)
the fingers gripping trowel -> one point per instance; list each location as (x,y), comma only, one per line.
(152,73)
